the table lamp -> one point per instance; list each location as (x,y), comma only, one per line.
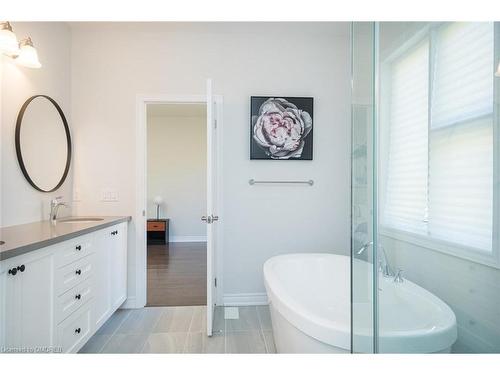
(158,201)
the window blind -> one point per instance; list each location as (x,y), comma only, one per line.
(439,176)
(406,187)
(461,136)
(462,83)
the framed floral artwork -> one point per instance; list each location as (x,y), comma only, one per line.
(281,128)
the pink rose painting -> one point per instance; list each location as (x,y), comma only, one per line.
(281,128)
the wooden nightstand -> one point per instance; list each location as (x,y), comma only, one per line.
(158,231)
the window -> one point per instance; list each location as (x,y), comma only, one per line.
(438,121)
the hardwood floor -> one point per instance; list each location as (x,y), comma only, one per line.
(177,274)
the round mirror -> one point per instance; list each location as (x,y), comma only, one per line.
(43,143)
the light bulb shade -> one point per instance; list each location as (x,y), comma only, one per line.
(28,55)
(497,73)
(8,40)
(158,200)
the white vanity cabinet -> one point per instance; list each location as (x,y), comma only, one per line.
(26,302)
(118,266)
(55,298)
(102,279)
(110,268)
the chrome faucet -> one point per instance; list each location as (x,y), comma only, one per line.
(54,208)
(399,278)
(383,264)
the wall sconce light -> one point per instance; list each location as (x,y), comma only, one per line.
(24,53)
(8,40)
(28,56)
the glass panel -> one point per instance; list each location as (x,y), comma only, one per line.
(362,316)
(437,111)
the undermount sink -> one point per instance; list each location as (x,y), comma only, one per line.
(77,220)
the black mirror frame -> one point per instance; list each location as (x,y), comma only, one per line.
(18,143)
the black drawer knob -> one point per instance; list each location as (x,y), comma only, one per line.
(78,296)
(78,272)
(79,247)
(78,330)
(13,271)
(21,268)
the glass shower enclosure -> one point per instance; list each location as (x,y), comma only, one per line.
(425,264)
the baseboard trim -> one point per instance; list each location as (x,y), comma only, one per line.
(130,303)
(188,239)
(245,299)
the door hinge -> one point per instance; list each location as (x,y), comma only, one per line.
(215,123)
(215,282)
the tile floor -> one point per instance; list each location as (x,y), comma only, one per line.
(183,330)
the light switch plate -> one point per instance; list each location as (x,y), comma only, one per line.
(109,195)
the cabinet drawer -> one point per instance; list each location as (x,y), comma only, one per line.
(73,274)
(75,331)
(73,250)
(73,299)
(156,227)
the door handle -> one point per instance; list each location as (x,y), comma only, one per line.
(209,219)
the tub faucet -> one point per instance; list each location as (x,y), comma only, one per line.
(383,263)
(54,208)
(398,278)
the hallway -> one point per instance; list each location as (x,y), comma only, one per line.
(177,274)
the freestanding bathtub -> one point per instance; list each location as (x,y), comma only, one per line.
(309,297)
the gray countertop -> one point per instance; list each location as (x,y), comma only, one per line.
(21,239)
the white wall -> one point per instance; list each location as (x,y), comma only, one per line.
(112,63)
(20,203)
(177,171)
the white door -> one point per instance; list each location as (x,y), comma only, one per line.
(211,218)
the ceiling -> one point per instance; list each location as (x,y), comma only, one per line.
(268,28)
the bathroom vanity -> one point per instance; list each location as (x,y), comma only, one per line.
(60,282)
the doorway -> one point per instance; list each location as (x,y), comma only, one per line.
(214,202)
(176,200)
